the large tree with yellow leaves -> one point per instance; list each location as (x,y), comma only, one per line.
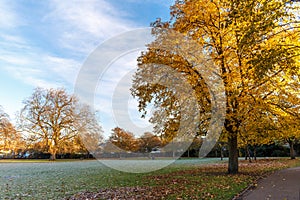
(254,44)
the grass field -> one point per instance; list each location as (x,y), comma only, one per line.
(205,178)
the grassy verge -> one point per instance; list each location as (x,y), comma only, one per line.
(195,182)
(186,179)
(212,182)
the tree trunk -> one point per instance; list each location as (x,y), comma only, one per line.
(233,162)
(248,153)
(222,155)
(292,151)
(254,153)
(53,156)
(53,152)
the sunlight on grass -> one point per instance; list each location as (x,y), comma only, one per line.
(186,177)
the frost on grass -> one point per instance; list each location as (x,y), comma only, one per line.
(186,179)
(203,182)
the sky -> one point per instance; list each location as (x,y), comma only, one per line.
(46,43)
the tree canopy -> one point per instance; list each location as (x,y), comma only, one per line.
(56,119)
(255,47)
(10,139)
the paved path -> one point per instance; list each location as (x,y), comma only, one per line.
(282,185)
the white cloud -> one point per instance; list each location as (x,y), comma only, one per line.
(166,3)
(113,98)
(69,32)
(83,24)
(12,39)
(37,68)
(78,26)
(65,68)
(8,18)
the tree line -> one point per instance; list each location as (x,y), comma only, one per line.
(53,122)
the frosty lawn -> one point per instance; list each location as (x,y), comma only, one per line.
(43,179)
(55,180)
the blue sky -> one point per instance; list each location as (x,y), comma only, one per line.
(45,43)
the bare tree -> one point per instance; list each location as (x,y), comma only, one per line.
(5,127)
(53,117)
(10,139)
(90,131)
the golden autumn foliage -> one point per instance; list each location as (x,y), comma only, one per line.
(10,139)
(255,46)
(123,139)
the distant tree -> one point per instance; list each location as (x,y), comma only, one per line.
(10,139)
(288,131)
(123,139)
(3,115)
(195,145)
(5,127)
(91,133)
(54,118)
(148,141)
(254,136)
(109,147)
